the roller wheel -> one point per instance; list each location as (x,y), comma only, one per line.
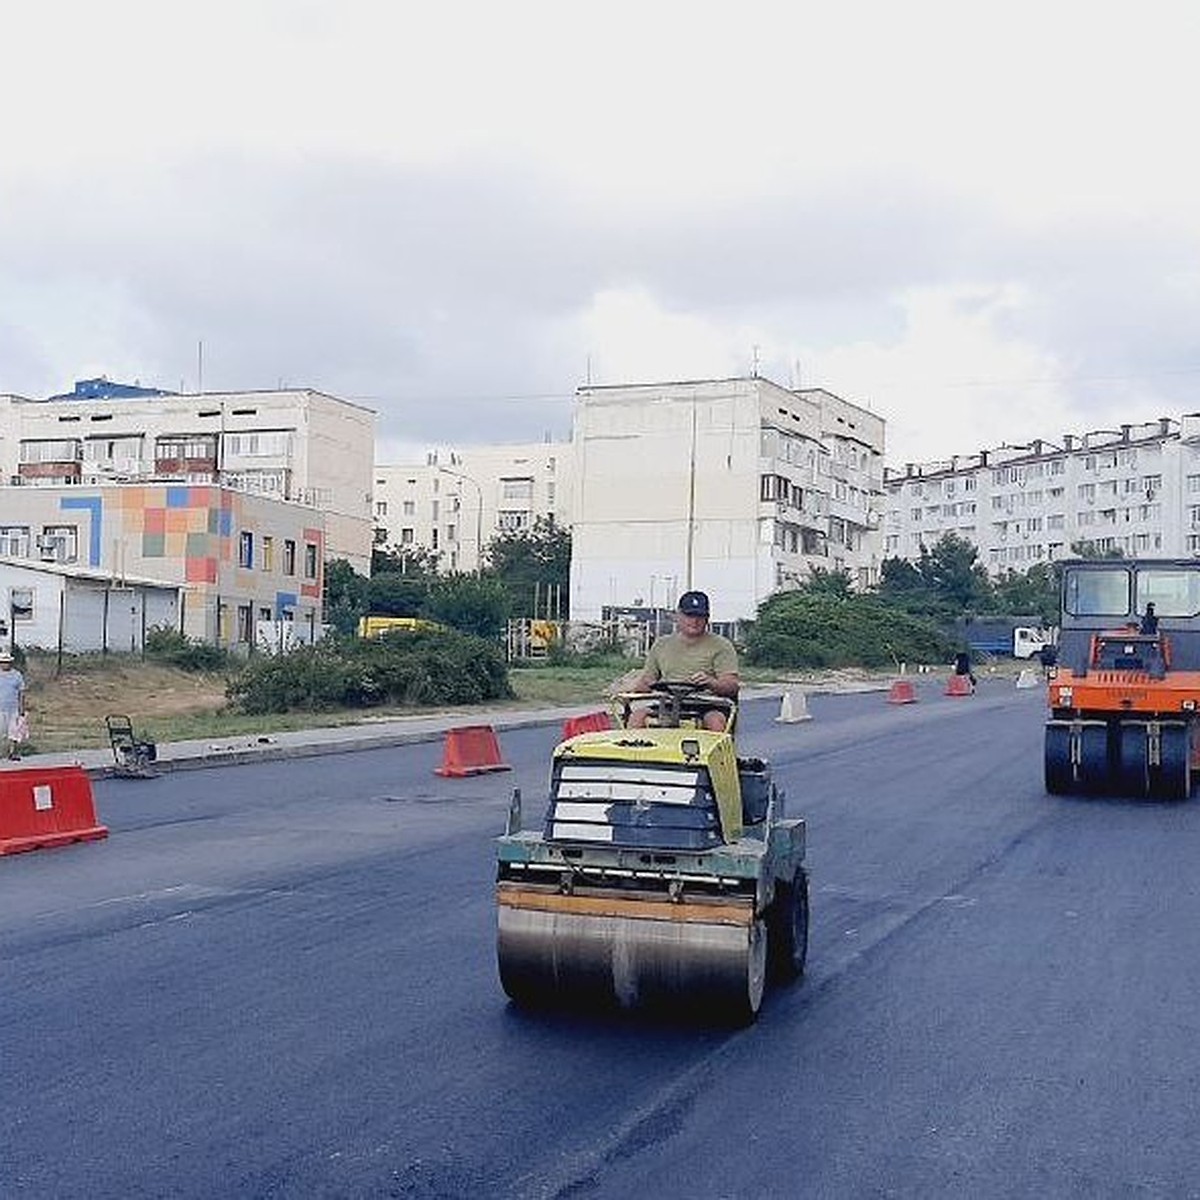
(1094,772)
(1060,774)
(744,1008)
(1174,780)
(787,929)
(1133,772)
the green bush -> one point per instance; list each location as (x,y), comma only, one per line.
(411,669)
(802,629)
(189,654)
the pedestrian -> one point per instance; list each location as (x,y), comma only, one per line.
(1048,657)
(962,666)
(692,655)
(12,704)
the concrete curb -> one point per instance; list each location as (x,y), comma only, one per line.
(346,739)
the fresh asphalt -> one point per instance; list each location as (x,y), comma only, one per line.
(277,979)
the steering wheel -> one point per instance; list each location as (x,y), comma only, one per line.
(676,687)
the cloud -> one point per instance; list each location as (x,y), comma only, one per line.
(985,233)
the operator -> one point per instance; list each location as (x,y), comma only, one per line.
(1150,620)
(691,655)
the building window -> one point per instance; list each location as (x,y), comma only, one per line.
(409,508)
(14,540)
(245,623)
(268,553)
(381,508)
(310,560)
(289,557)
(451,533)
(407,537)
(516,489)
(21,604)
(245,549)
(59,543)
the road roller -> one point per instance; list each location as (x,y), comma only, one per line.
(665,873)
(1123,696)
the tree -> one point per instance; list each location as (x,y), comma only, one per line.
(903,586)
(1032,591)
(477,604)
(953,575)
(534,565)
(345,595)
(834,584)
(405,560)
(392,595)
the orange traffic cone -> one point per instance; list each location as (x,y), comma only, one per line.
(959,685)
(471,750)
(902,692)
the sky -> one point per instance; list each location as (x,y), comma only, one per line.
(982,222)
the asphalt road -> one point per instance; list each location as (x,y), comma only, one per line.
(278,980)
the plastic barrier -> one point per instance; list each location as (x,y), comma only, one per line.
(902,692)
(793,707)
(46,806)
(591,722)
(471,750)
(958,685)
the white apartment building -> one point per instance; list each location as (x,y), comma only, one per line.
(294,445)
(1135,489)
(457,500)
(736,486)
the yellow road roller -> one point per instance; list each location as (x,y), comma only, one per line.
(665,873)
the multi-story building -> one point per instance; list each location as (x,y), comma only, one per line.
(1135,489)
(456,501)
(293,445)
(736,486)
(236,559)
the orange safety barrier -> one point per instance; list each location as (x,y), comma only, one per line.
(471,750)
(902,692)
(46,806)
(592,722)
(958,685)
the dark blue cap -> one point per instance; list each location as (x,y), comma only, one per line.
(694,604)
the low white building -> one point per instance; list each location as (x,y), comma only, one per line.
(49,606)
(456,500)
(737,486)
(1135,489)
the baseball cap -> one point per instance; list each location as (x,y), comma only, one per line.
(694,604)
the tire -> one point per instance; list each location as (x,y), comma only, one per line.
(1059,770)
(787,924)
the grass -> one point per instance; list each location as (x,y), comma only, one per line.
(67,707)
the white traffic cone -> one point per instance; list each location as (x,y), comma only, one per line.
(1027,679)
(793,707)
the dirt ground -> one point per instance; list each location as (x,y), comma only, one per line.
(68,710)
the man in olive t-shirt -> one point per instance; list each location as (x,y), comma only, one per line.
(692,655)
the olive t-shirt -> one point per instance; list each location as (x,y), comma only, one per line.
(674,659)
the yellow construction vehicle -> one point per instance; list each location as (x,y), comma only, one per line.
(665,870)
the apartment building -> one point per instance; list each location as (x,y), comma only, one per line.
(455,501)
(292,445)
(1135,489)
(737,486)
(233,558)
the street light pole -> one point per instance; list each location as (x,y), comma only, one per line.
(478,514)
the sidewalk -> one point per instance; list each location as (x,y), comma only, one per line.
(303,743)
(369,735)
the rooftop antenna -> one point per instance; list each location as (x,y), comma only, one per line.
(754,369)
(589,370)
(200,366)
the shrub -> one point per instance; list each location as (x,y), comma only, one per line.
(421,668)
(189,654)
(799,629)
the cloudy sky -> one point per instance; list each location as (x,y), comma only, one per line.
(981,221)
